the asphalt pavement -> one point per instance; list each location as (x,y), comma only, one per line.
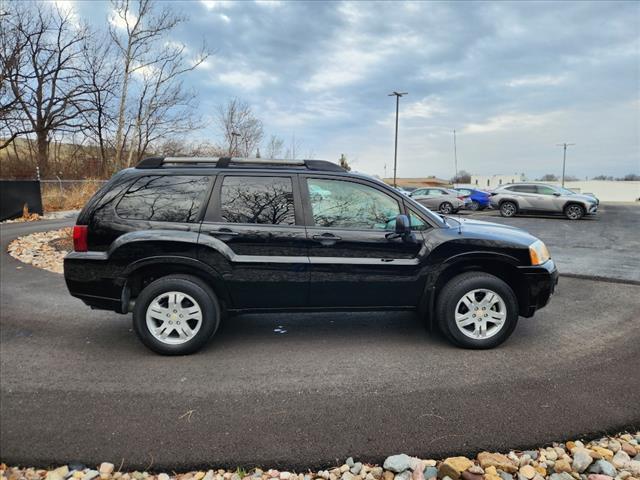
(605,245)
(303,390)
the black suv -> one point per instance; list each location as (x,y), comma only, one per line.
(184,242)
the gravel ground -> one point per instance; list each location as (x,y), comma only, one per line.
(607,458)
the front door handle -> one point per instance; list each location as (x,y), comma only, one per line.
(327,239)
(223,232)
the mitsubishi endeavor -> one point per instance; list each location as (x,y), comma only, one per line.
(184,242)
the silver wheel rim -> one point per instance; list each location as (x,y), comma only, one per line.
(446,208)
(174,318)
(480,314)
(508,209)
(474,206)
(574,212)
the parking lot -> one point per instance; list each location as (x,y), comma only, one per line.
(603,245)
(308,390)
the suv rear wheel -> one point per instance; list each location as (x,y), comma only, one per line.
(508,209)
(477,310)
(176,315)
(574,211)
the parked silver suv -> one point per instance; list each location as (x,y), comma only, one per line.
(536,198)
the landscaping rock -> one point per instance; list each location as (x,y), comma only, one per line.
(581,459)
(398,463)
(603,467)
(453,467)
(497,460)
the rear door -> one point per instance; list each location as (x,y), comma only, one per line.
(526,196)
(257,221)
(353,260)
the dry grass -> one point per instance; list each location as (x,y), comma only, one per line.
(69,196)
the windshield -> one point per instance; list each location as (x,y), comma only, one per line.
(564,191)
(439,219)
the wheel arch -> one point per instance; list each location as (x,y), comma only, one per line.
(501,266)
(511,200)
(139,274)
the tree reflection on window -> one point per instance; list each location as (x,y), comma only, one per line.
(265,200)
(343,204)
(164,198)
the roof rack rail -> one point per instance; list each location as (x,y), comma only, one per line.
(226,162)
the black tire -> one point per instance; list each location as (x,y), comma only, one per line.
(573,211)
(474,206)
(195,288)
(453,292)
(446,208)
(508,209)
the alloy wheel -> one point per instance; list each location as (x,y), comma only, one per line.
(480,314)
(174,317)
(446,208)
(574,212)
(508,209)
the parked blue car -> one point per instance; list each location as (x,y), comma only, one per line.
(479,199)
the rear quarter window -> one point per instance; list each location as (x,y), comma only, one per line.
(164,198)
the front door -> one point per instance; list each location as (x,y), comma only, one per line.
(254,220)
(354,260)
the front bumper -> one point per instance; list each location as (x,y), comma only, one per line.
(541,282)
(593,209)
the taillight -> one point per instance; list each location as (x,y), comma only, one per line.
(80,234)
(461,197)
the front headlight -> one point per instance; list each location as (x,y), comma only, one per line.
(538,253)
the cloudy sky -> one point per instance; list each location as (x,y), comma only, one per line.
(513,80)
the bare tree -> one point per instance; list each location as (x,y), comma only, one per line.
(44,80)
(12,59)
(102,82)
(136,31)
(274,147)
(163,107)
(294,149)
(241,130)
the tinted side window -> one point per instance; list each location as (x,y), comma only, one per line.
(164,198)
(544,190)
(524,188)
(344,204)
(265,200)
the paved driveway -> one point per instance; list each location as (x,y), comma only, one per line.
(76,385)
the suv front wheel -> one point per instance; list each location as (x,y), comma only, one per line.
(574,211)
(176,315)
(477,310)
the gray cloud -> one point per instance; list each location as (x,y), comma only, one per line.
(512,78)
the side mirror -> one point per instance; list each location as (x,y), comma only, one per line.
(403,230)
(403,226)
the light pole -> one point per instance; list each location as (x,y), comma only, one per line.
(455,157)
(564,157)
(395,152)
(234,144)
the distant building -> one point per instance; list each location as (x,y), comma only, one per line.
(418,182)
(494,181)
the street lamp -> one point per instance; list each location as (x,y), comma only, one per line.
(564,157)
(395,153)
